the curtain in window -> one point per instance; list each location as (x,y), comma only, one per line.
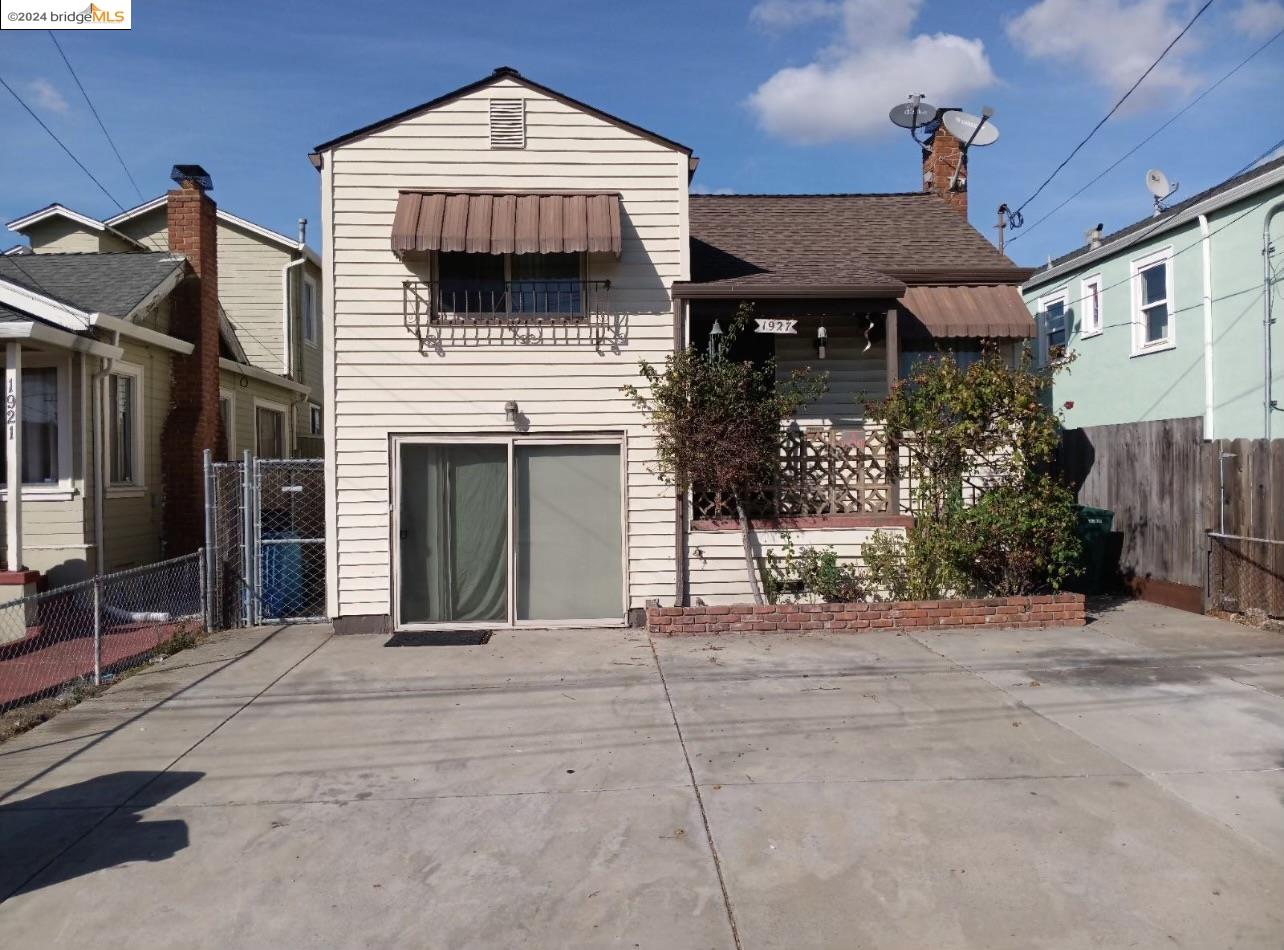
(270,429)
(121,429)
(39,428)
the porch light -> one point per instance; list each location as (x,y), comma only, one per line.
(822,335)
(715,340)
(510,412)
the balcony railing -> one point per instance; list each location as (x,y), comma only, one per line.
(821,472)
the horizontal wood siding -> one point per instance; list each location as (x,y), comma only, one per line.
(718,574)
(383,384)
(244,390)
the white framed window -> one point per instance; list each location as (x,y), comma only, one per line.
(46,426)
(227,412)
(314,419)
(271,439)
(1090,290)
(308,312)
(1152,303)
(1052,327)
(123,418)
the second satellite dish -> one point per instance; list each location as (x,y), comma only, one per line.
(1157,183)
(970,129)
(913,114)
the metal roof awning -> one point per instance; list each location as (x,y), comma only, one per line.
(506,222)
(987,310)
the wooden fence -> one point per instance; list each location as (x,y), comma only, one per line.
(1168,489)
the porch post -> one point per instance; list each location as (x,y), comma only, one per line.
(681,580)
(893,374)
(13,446)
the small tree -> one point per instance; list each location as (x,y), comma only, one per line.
(990,422)
(718,423)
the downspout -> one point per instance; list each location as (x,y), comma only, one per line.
(1268,401)
(97,423)
(1207,250)
(287,325)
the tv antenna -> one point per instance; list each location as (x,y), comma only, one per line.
(1159,187)
(913,114)
(969,130)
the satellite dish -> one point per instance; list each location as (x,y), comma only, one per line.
(913,114)
(970,129)
(1157,183)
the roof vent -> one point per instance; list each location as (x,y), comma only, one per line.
(508,123)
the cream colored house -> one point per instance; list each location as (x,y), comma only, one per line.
(497,262)
(122,371)
(269,289)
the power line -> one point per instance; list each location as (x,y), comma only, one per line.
(101,125)
(1115,107)
(1132,151)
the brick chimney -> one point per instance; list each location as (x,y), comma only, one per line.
(194,423)
(941,157)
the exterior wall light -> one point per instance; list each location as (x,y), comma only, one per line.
(822,336)
(510,411)
(715,340)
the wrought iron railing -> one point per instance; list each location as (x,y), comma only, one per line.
(821,472)
(471,302)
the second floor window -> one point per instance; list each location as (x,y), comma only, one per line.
(1152,302)
(308,302)
(1090,306)
(492,284)
(1052,328)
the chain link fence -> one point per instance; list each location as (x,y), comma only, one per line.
(265,531)
(1246,575)
(88,632)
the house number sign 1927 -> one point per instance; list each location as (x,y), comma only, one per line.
(771,325)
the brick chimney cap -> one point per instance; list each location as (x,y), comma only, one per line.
(195,174)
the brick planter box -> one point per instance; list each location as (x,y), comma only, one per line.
(1044,610)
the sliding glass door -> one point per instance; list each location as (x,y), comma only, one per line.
(507,530)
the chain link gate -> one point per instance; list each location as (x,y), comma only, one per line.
(265,530)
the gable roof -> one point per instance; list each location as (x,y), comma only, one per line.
(503,72)
(836,245)
(113,284)
(55,210)
(1233,189)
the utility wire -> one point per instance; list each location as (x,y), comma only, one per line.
(89,102)
(1132,151)
(1114,108)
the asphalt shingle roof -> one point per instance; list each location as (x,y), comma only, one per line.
(854,241)
(113,284)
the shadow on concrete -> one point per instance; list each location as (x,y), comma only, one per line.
(37,828)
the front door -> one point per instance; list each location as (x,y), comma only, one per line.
(505,531)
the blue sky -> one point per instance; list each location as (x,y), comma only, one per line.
(778,95)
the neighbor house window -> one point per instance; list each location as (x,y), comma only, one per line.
(531,284)
(124,426)
(1090,305)
(309,309)
(1152,296)
(44,412)
(227,413)
(314,419)
(1052,327)
(269,429)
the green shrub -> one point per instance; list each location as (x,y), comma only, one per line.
(797,572)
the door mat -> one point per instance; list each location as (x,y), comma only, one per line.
(439,638)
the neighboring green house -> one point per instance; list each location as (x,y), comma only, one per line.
(1171,316)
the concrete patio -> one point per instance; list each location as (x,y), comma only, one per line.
(1116,785)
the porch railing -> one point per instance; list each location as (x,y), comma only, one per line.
(821,472)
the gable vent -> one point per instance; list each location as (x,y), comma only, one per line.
(508,123)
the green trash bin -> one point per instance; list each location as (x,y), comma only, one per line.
(1093,529)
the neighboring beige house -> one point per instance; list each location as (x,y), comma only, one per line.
(134,339)
(498,260)
(269,289)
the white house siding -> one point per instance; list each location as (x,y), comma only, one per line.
(249,283)
(852,374)
(382,384)
(718,573)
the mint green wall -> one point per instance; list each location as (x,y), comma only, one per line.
(1108,384)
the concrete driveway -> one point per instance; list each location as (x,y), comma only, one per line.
(1120,785)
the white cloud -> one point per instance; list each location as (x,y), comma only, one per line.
(874,63)
(710,190)
(46,96)
(1111,43)
(1259,18)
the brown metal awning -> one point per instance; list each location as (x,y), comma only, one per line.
(989,310)
(506,223)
